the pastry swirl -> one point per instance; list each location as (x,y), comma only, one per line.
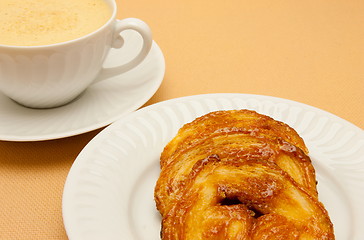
(239,175)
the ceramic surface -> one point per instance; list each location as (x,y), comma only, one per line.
(100,105)
(109,190)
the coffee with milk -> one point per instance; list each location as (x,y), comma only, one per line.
(45,22)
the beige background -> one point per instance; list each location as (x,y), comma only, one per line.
(309,51)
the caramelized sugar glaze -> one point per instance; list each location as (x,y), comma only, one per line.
(239,175)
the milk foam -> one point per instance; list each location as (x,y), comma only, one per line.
(43,22)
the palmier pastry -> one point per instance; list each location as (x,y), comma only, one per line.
(239,175)
(246,121)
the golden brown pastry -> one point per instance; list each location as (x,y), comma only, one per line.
(239,175)
(246,121)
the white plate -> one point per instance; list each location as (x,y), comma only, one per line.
(100,105)
(109,190)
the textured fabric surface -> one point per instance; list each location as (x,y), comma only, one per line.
(308,51)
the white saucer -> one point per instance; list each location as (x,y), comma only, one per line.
(100,105)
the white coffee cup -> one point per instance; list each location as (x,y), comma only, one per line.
(52,75)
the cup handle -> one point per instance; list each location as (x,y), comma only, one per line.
(143,29)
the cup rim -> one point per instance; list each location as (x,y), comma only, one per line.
(111,3)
